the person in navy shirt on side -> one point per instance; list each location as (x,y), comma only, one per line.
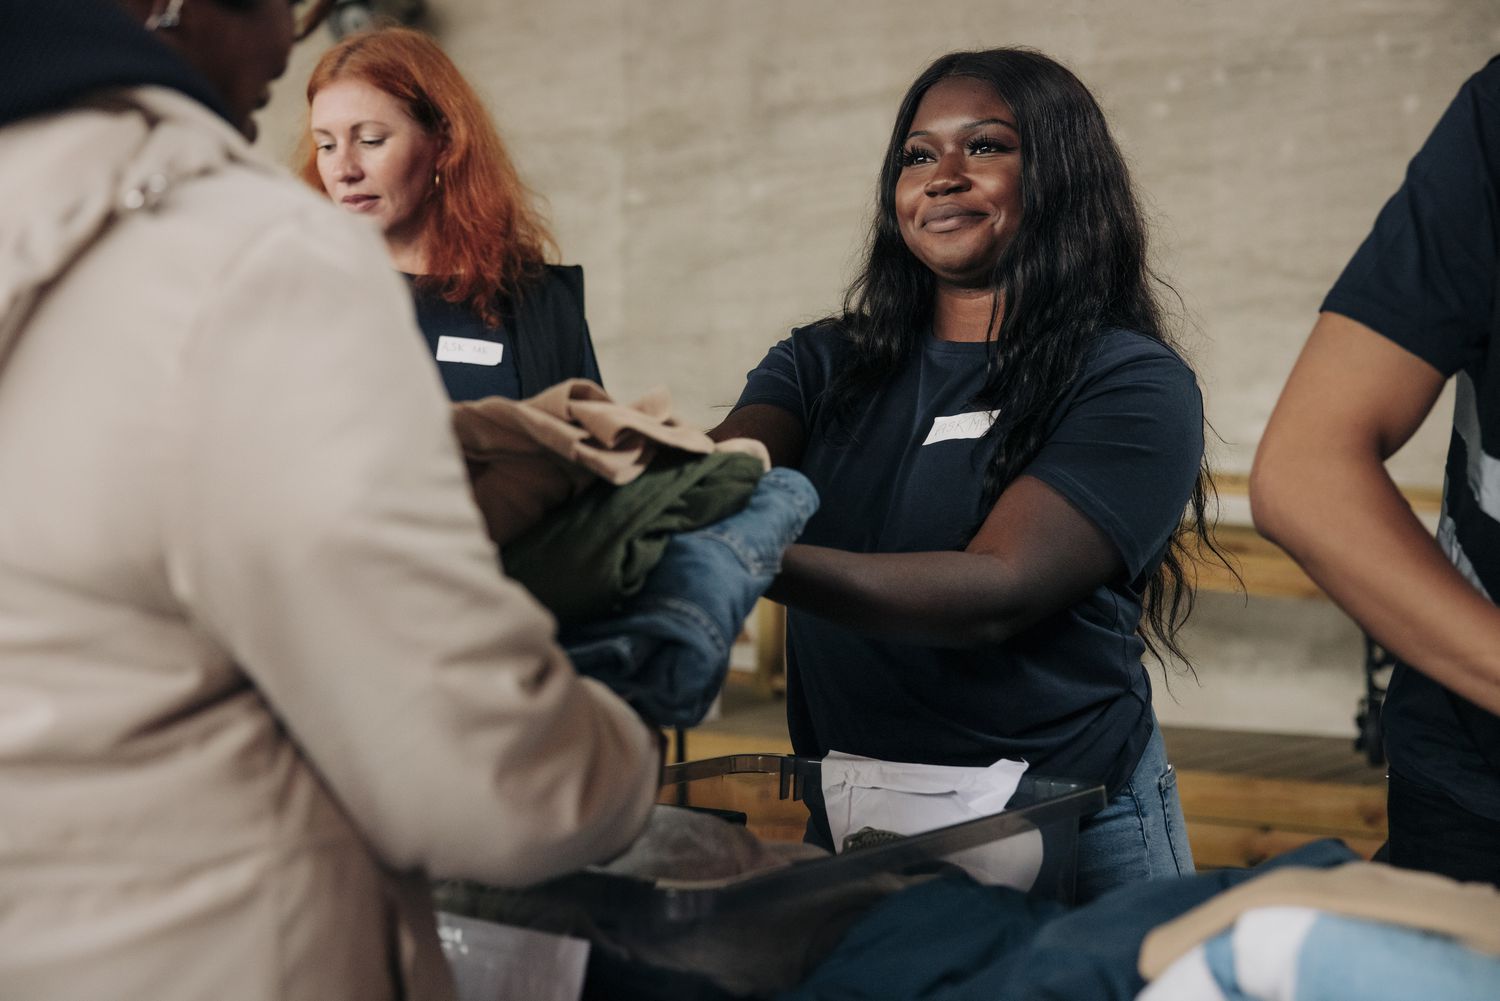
(397,135)
(1416,306)
(1005,444)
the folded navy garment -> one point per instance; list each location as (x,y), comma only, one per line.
(667,652)
(955,940)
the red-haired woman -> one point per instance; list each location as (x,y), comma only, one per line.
(396,134)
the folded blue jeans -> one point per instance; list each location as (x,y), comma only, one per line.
(667,653)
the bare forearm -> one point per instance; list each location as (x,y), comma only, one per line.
(1346,523)
(1034,555)
(949,599)
(1321,491)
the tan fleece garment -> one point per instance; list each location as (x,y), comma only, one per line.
(1466,912)
(528,457)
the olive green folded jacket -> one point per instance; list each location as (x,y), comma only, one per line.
(584,559)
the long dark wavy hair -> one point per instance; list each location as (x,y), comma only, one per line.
(1076,267)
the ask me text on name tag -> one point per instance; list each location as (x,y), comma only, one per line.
(955,426)
(469,350)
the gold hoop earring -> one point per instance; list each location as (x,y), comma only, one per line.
(437,180)
(171,17)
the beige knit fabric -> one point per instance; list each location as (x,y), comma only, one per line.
(527,457)
(1467,912)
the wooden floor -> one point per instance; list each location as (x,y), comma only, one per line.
(1246,796)
(1271,755)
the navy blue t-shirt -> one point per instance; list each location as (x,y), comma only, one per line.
(1069,695)
(474,360)
(1426,278)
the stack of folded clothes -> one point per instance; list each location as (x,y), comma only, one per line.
(647,540)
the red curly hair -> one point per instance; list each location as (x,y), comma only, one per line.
(483,238)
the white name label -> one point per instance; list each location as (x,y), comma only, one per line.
(469,350)
(970,425)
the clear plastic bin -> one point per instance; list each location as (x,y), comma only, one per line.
(775,796)
(779,794)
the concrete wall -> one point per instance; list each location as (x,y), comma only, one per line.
(712,166)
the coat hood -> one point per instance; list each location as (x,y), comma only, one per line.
(81,170)
(97,118)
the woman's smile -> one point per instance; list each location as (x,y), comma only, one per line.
(948,218)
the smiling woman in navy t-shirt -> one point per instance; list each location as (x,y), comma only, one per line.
(1004,443)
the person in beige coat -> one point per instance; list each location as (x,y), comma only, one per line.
(259,676)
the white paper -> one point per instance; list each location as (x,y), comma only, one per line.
(906,798)
(493,962)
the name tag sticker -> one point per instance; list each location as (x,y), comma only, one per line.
(973,424)
(469,350)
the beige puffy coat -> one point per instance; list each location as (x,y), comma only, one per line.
(255,656)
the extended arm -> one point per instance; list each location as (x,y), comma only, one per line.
(326,538)
(1034,555)
(777,429)
(1320,490)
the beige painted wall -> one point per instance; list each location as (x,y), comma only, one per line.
(712,165)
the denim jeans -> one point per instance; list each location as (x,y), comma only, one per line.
(1140,833)
(668,651)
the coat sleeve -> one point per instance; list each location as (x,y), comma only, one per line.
(324,535)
